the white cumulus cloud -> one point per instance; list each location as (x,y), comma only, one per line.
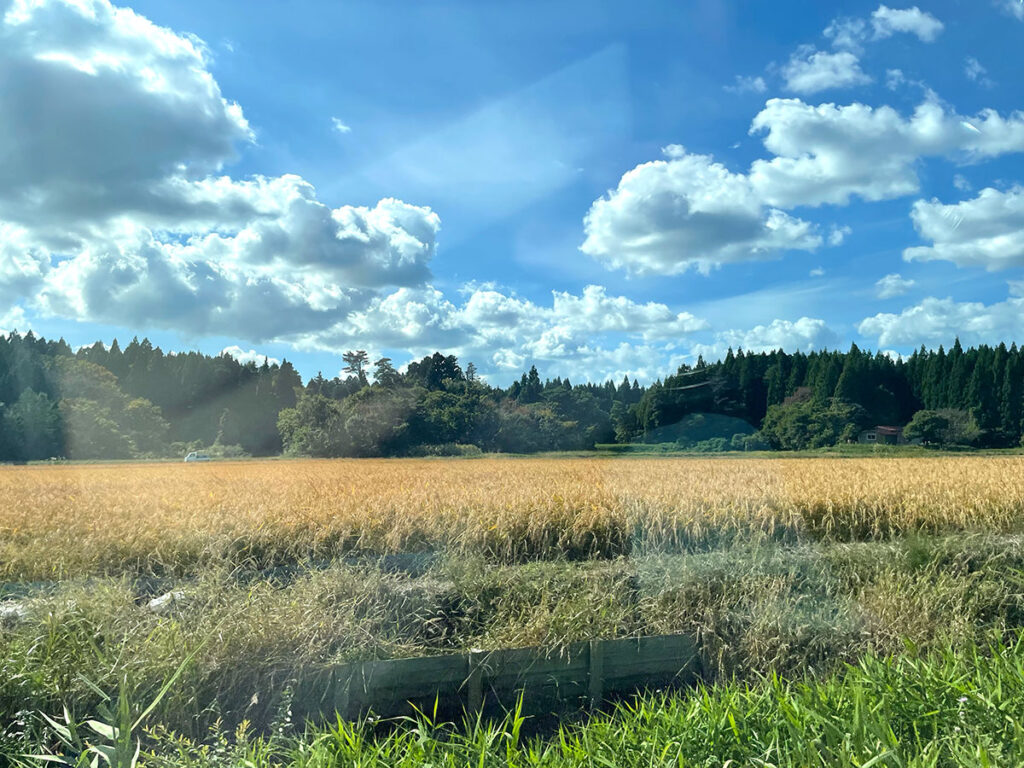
(838,234)
(847,33)
(828,153)
(687,211)
(746,84)
(888,21)
(810,71)
(806,334)
(83,81)
(591,334)
(986,231)
(892,285)
(1013,7)
(938,321)
(114,205)
(249,356)
(976,72)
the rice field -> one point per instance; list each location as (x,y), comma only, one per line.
(65,521)
(779,568)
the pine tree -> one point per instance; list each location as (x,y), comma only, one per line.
(1010,394)
(355,362)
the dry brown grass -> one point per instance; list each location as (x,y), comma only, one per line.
(62,521)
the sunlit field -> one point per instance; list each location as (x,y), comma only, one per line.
(63,521)
(265,571)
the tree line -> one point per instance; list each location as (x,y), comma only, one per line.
(101,402)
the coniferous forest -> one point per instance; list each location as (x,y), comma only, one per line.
(114,402)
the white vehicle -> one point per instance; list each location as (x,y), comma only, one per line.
(197,456)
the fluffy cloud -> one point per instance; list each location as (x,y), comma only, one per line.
(99,225)
(295,271)
(596,310)
(987,231)
(806,334)
(248,356)
(113,206)
(976,72)
(687,211)
(1013,7)
(894,78)
(13,320)
(847,34)
(409,318)
(939,321)
(748,85)
(888,21)
(851,33)
(828,153)
(23,265)
(893,285)
(503,330)
(83,83)
(837,234)
(810,71)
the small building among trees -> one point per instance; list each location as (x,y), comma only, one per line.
(882,435)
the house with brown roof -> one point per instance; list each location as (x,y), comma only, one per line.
(882,435)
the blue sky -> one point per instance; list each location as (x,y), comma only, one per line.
(595,188)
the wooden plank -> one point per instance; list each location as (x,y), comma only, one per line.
(386,686)
(648,647)
(661,664)
(314,693)
(475,683)
(521,666)
(596,674)
(624,657)
(414,674)
(584,673)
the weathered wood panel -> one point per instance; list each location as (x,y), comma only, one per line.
(582,674)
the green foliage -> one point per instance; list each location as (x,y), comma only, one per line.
(91,433)
(135,401)
(744,442)
(355,363)
(944,428)
(98,420)
(800,425)
(115,739)
(145,426)
(697,428)
(945,708)
(449,449)
(314,427)
(376,420)
(31,428)
(194,399)
(949,707)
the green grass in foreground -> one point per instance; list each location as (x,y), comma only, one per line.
(752,609)
(946,708)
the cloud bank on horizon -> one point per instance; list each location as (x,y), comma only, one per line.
(131,197)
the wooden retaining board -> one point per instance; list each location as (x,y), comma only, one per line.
(583,674)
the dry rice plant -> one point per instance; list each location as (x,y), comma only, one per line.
(172,519)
